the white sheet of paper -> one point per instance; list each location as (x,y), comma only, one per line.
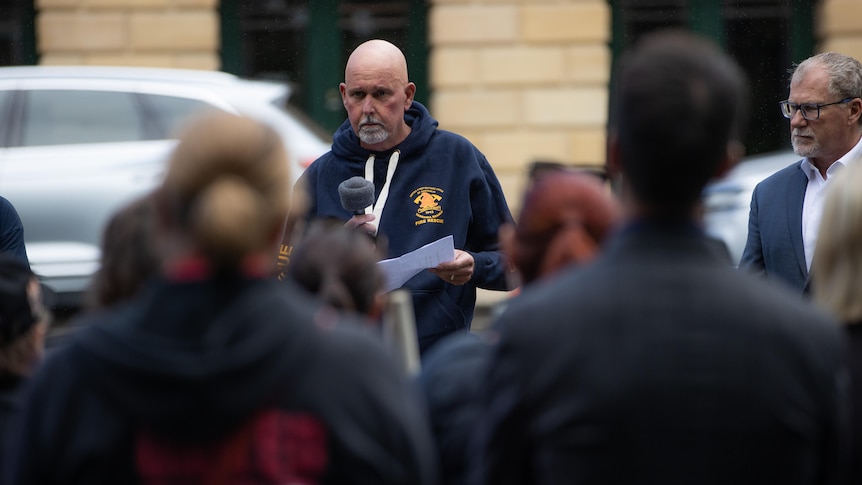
(398,270)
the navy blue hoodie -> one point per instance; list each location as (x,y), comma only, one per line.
(443,185)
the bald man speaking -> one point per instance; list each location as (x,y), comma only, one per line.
(428,183)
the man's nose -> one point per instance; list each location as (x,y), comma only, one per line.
(368,105)
(797,119)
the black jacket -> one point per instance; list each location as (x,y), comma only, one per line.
(658,364)
(172,384)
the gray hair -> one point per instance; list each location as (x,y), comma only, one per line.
(845,73)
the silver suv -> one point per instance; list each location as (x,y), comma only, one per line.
(76,143)
(727,201)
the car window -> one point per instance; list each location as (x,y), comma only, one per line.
(173,112)
(5,106)
(55,117)
(4,99)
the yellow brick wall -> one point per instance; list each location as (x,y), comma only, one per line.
(523,79)
(159,33)
(839,27)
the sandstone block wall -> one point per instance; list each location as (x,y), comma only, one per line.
(838,27)
(523,79)
(158,33)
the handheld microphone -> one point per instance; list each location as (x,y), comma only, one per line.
(356,194)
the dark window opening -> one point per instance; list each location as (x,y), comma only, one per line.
(17,34)
(306,44)
(765,36)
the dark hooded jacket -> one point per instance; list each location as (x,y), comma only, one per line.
(443,185)
(11,231)
(229,380)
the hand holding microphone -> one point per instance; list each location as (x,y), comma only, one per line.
(356,195)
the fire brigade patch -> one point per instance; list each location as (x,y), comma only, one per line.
(428,199)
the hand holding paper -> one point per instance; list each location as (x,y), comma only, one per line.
(398,270)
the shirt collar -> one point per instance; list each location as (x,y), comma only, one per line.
(848,158)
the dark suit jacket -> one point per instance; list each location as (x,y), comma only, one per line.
(774,247)
(659,364)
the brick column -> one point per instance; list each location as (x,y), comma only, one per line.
(523,80)
(838,27)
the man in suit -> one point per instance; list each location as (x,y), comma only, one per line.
(658,363)
(825,112)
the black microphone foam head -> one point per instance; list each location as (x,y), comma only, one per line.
(356,194)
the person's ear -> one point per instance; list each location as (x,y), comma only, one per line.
(342,88)
(855,111)
(409,93)
(614,164)
(735,152)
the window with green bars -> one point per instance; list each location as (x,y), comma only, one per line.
(765,36)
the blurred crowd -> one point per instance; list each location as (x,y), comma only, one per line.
(239,330)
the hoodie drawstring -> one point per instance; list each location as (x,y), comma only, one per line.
(377,208)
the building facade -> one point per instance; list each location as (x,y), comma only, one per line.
(525,80)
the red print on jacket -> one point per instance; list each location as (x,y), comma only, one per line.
(274,447)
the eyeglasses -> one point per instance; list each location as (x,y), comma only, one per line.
(809,111)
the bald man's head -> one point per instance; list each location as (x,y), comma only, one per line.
(378,54)
(376,93)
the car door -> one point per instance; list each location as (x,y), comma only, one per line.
(74,152)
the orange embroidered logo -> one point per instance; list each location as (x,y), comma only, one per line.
(428,199)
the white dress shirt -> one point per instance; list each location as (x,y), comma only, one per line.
(812,207)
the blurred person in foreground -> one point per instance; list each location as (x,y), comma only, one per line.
(565,217)
(837,281)
(215,373)
(656,363)
(128,263)
(428,184)
(129,259)
(825,112)
(24,320)
(11,231)
(339,266)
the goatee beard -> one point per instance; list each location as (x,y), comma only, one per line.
(805,150)
(372,135)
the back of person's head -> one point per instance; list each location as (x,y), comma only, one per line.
(339,266)
(128,254)
(24,317)
(836,269)
(680,102)
(227,190)
(565,217)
